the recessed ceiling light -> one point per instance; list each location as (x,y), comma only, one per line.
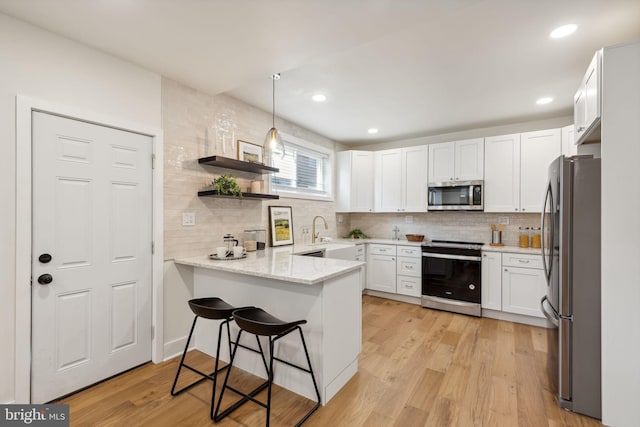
(543,101)
(563,31)
(318,97)
(372,130)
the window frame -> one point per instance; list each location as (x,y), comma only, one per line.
(328,177)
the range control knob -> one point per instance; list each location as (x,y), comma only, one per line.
(472,286)
(45,279)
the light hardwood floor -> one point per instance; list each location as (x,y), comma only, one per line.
(418,367)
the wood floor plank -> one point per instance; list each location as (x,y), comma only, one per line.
(418,367)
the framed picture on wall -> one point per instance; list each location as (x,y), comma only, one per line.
(281,225)
(248,152)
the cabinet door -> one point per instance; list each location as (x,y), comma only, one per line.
(492,280)
(362,181)
(522,289)
(537,151)
(569,148)
(411,286)
(579,112)
(469,159)
(388,180)
(592,92)
(381,273)
(441,162)
(502,173)
(414,179)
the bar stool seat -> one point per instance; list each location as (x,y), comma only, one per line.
(209,308)
(260,323)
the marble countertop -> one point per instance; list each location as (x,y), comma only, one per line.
(512,249)
(283,263)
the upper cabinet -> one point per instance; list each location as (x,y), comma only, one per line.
(516,170)
(456,161)
(401,180)
(587,102)
(354,181)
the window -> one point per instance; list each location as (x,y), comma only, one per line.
(305,170)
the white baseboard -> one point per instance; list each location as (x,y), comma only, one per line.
(396,297)
(517,318)
(176,347)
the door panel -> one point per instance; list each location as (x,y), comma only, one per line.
(92,213)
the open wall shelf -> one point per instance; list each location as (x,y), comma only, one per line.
(225,162)
(214,193)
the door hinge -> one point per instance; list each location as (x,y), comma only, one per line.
(153,161)
(153,248)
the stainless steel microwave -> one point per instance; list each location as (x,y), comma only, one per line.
(455,196)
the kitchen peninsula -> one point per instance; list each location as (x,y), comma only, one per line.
(325,292)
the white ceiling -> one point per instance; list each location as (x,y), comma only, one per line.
(407,67)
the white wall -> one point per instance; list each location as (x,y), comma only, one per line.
(44,66)
(620,236)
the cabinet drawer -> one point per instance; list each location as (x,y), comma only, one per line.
(359,250)
(375,249)
(522,260)
(408,285)
(409,266)
(410,251)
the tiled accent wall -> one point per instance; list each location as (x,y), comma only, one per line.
(194,124)
(463,226)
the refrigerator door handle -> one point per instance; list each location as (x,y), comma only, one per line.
(547,268)
(552,317)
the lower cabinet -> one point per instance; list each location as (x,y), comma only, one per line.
(381,268)
(409,271)
(512,283)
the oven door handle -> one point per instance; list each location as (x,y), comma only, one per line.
(447,256)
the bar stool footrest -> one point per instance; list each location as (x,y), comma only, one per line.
(245,397)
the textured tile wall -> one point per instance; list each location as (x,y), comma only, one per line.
(463,226)
(197,125)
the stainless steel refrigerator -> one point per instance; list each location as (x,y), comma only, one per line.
(571,259)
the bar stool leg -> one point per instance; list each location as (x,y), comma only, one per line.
(184,354)
(270,379)
(216,370)
(313,377)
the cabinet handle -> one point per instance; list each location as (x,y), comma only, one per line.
(409,267)
(485,255)
(524,261)
(451,179)
(409,286)
(523,209)
(506,269)
(516,209)
(457,178)
(581,128)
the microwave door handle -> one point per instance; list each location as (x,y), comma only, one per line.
(471,195)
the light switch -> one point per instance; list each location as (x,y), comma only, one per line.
(340,219)
(408,219)
(188,218)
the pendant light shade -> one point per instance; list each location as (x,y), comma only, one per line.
(273,141)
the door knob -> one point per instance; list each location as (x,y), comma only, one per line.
(44,258)
(45,279)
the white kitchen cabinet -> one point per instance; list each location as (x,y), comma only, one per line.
(569,147)
(502,173)
(401,180)
(522,287)
(414,179)
(388,180)
(587,102)
(381,268)
(537,150)
(354,176)
(492,280)
(456,161)
(409,270)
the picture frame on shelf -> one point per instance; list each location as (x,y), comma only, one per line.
(281,225)
(248,152)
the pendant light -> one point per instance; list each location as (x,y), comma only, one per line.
(273,141)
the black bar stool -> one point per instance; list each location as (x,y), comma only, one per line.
(260,323)
(208,308)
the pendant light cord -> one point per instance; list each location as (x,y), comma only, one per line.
(273,97)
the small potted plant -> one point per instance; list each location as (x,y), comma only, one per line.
(356,234)
(227,185)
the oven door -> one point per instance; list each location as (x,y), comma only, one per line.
(451,276)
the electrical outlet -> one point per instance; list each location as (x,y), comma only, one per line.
(408,219)
(188,218)
(503,220)
(340,219)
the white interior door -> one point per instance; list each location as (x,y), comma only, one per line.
(92,214)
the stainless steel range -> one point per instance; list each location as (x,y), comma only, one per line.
(451,276)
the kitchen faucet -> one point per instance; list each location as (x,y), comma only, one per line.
(315,235)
